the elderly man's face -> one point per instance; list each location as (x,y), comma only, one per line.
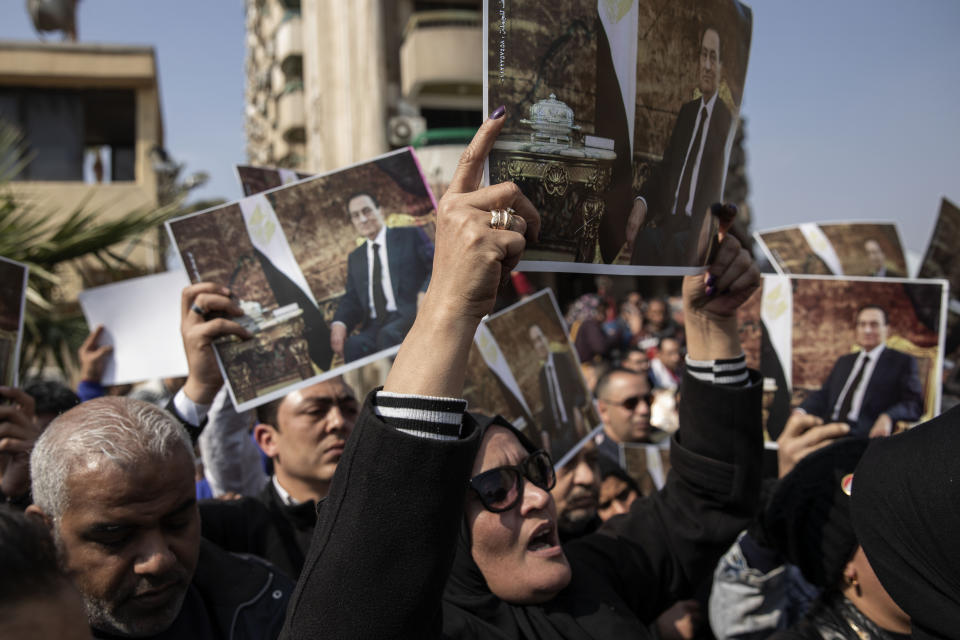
(872,329)
(710,67)
(129,540)
(367,217)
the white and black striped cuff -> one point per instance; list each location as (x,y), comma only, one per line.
(731,372)
(422,416)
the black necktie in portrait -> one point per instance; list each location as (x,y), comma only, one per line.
(379,299)
(684,195)
(852,389)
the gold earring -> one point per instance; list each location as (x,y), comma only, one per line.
(855,585)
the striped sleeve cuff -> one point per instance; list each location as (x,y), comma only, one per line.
(421,416)
(730,372)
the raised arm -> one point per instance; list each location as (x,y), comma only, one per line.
(386,533)
(671,541)
(93,359)
(204,311)
(470,262)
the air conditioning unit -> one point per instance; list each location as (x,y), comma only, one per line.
(401,130)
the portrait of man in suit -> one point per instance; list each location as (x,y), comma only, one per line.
(562,392)
(385,276)
(670,213)
(871,389)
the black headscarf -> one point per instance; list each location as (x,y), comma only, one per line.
(808,516)
(488,615)
(906,512)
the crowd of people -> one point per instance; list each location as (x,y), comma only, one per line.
(325,514)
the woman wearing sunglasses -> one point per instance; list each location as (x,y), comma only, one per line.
(441,525)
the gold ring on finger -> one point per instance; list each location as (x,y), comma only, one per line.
(502,219)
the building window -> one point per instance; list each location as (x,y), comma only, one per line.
(74,134)
(444,118)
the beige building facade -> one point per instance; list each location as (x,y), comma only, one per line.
(330,84)
(73,103)
(90,120)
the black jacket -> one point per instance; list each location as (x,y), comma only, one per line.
(388,532)
(263,526)
(231,597)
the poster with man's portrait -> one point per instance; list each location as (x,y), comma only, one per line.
(13,296)
(839,248)
(621,115)
(328,271)
(647,464)
(864,351)
(527,348)
(940,261)
(257,179)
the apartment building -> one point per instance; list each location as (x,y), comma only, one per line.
(333,83)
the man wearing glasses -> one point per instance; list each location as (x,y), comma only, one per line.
(623,400)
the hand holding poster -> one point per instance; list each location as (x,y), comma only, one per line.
(13,295)
(303,262)
(620,120)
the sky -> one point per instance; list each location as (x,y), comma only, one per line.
(852,107)
(200,49)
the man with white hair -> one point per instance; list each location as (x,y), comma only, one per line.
(113,479)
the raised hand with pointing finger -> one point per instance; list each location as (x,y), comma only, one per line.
(481,233)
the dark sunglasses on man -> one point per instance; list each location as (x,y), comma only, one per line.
(631,403)
(501,489)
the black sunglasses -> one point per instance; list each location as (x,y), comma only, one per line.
(630,404)
(501,489)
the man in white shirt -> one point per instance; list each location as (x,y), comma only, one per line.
(871,389)
(385,276)
(666,369)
